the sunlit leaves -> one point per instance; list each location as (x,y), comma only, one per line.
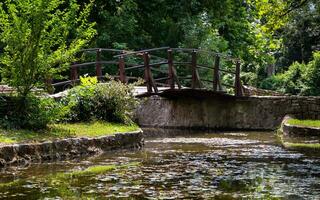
(41,37)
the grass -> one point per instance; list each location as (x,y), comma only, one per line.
(60,131)
(309,123)
(302,145)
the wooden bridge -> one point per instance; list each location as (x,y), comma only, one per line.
(164,70)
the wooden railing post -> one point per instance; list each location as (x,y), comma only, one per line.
(148,75)
(48,83)
(195,76)
(147,69)
(216,78)
(170,69)
(122,72)
(237,82)
(74,73)
(98,64)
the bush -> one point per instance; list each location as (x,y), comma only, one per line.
(29,113)
(112,101)
(312,75)
(301,79)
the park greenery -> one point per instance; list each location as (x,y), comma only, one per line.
(87,106)
(111,101)
(39,39)
(308,123)
(64,130)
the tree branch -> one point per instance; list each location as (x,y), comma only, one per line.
(293,6)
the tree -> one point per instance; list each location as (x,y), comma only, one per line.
(40,39)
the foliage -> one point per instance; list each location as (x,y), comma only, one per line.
(312,75)
(88,81)
(300,35)
(288,82)
(263,33)
(36,113)
(41,38)
(111,101)
(302,79)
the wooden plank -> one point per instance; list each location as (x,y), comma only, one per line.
(195,76)
(148,75)
(176,77)
(216,78)
(74,74)
(122,72)
(237,82)
(170,69)
(98,63)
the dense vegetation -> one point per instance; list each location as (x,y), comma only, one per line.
(268,35)
(90,101)
(40,38)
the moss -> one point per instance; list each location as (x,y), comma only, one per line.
(93,170)
(58,184)
(60,131)
(308,123)
(11,184)
(312,148)
(100,169)
(302,146)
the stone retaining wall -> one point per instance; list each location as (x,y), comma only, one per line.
(225,112)
(19,154)
(294,130)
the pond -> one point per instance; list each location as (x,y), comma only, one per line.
(178,165)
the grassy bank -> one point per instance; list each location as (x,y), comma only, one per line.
(60,131)
(308,123)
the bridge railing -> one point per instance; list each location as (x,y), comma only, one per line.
(165,68)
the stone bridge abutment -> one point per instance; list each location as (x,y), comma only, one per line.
(223,112)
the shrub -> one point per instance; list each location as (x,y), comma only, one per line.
(78,103)
(301,79)
(312,75)
(30,113)
(114,102)
(290,82)
(111,101)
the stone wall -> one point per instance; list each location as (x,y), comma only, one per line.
(20,154)
(294,130)
(224,112)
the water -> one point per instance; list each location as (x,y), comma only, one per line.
(241,165)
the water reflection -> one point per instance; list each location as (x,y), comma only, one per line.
(177,166)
